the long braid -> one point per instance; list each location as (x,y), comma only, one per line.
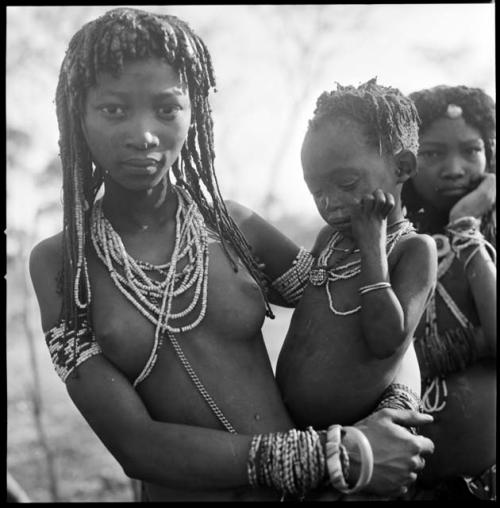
(106,44)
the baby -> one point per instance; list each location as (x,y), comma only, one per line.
(372,273)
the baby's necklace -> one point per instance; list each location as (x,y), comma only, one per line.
(323,273)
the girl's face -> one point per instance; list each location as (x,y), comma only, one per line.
(339,167)
(135,125)
(451,160)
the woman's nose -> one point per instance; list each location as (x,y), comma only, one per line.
(142,137)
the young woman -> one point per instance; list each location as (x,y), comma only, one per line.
(452,197)
(151,298)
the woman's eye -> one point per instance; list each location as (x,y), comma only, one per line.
(169,112)
(113,110)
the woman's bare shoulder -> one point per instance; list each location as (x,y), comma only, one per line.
(45,265)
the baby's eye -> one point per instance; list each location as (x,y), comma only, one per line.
(169,112)
(348,184)
(113,110)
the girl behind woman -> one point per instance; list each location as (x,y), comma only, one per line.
(452,197)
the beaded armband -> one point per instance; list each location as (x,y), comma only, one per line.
(399,396)
(290,285)
(64,344)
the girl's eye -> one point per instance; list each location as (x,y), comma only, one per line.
(169,112)
(430,154)
(113,110)
(473,151)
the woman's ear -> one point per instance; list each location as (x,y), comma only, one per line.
(406,164)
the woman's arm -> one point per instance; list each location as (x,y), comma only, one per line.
(178,456)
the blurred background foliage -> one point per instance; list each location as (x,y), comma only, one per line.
(271,62)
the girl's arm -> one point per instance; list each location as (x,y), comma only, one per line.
(481,273)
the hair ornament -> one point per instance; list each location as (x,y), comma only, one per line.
(453,111)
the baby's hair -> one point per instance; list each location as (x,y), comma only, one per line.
(105,45)
(478,110)
(388,118)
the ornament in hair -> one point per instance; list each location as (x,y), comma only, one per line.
(453,111)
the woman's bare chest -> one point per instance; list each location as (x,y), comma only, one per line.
(125,326)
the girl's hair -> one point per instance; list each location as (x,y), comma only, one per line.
(388,118)
(105,45)
(478,110)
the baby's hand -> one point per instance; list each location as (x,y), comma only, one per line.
(478,201)
(369,215)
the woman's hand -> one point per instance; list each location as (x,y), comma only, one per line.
(477,202)
(398,454)
(369,215)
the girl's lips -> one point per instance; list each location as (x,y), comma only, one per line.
(453,191)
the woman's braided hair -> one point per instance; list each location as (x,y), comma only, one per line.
(104,45)
(478,111)
(389,119)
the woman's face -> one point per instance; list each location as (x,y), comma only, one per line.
(135,125)
(451,160)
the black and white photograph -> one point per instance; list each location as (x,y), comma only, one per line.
(251,253)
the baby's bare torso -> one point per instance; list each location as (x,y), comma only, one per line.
(325,370)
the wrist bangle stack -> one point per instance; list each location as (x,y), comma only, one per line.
(372,287)
(291,462)
(334,451)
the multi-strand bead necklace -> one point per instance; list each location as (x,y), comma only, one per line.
(154,298)
(324,274)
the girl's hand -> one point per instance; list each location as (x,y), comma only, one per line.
(478,201)
(369,215)
(398,454)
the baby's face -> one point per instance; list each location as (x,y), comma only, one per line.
(451,159)
(340,166)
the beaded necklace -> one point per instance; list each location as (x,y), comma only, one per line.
(154,298)
(324,274)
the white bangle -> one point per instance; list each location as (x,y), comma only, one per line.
(366,459)
(372,287)
(334,466)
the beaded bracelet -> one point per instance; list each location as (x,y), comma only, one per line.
(372,287)
(333,453)
(464,232)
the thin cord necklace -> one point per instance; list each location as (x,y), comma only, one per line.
(324,274)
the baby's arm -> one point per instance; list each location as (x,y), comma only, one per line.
(390,313)
(389,316)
